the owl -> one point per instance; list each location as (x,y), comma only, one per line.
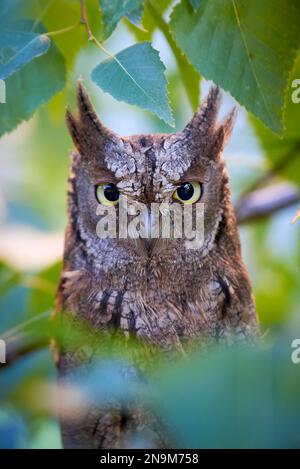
(161,290)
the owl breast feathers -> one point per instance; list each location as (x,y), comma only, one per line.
(159,289)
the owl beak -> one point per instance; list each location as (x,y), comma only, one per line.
(149,245)
(148,242)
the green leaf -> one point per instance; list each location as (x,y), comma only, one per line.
(149,22)
(235,398)
(8,278)
(189,76)
(136,76)
(114,10)
(248,48)
(286,149)
(32,85)
(153,18)
(10,10)
(195,3)
(135,17)
(14,376)
(19,43)
(13,430)
(13,298)
(17,48)
(43,289)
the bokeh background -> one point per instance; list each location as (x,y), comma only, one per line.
(34,161)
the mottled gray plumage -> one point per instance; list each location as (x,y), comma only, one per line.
(172,296)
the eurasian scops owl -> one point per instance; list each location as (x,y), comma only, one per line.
(159,290)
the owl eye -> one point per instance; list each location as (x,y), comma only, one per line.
(107,194)
(188,192)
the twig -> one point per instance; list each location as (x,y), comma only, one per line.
(23,345)
(262,203)
(62,31)
(275,170)
(29,336)
(91,37)
(296,217)
(258,201)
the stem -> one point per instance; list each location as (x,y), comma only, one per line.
(281,164)
(61,31)
(262,203)
(296,217)
(91,37)
(24,339)
(42,14)
(248,209)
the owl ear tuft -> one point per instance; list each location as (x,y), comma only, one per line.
(222,134)
(205,118)
(87,131)
(74,127)
(87,115)
(203,132)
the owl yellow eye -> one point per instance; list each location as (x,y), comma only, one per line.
(107,194)
(188,192)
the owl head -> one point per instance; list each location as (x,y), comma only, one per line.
(169,173)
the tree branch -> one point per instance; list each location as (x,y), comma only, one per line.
(262,203)
(262,199)
(296,217)
(29,336)
(279,166)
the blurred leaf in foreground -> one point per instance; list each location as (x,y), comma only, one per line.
(237,397)
(12,429)
(296,217)
(195,3)
(13,298)
(43,289)
(234,398)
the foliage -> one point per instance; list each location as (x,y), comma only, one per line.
(238,397)
(278,149)
(150,54)
(114,10)
(227,42)
(135,75)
